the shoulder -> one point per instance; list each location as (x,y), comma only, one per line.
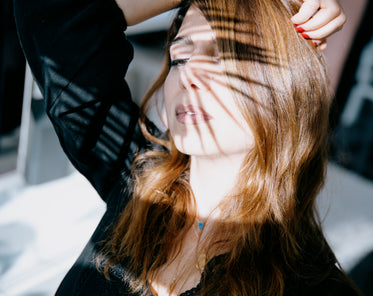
(337,283)
(333,283)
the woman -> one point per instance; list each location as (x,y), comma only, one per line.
(223,202)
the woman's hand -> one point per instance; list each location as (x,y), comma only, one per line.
(318,19)
(136,11)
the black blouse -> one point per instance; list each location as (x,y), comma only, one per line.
(79,56)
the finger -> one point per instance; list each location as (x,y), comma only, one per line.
(307,10)
(323,17)
(320,44)
(327,30)
(323,45)
(317,43)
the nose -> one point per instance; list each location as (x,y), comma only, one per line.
(192,76)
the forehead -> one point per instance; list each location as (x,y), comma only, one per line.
(194,28)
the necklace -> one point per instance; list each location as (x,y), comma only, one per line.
(202,258)
(182,266)
(199,267)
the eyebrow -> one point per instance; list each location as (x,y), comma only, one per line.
(183,40)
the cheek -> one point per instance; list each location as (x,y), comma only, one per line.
(234,134)
(233,129)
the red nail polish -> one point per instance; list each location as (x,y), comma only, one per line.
(300,29)
(305,36)
(315,43)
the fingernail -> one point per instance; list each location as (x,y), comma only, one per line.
(305,36)
(299,29)
(315,43)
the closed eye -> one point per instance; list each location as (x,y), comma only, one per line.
(179,62)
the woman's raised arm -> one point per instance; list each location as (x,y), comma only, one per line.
(79,55)
(140,10)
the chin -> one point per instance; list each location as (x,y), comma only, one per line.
(205,149)
(193,148)
(203,143)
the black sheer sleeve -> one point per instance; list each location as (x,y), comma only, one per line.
(79,56)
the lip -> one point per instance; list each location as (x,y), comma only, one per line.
(191,114)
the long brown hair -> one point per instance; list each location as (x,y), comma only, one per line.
(268,227)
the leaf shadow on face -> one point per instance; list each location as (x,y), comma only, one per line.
(242,58)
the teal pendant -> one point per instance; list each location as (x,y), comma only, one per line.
(200,225)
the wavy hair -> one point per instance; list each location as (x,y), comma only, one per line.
(268,232)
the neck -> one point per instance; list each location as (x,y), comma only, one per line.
(212,178)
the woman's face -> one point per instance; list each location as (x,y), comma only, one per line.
(201,113)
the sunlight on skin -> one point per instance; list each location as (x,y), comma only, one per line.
(217,145)
(198,79)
